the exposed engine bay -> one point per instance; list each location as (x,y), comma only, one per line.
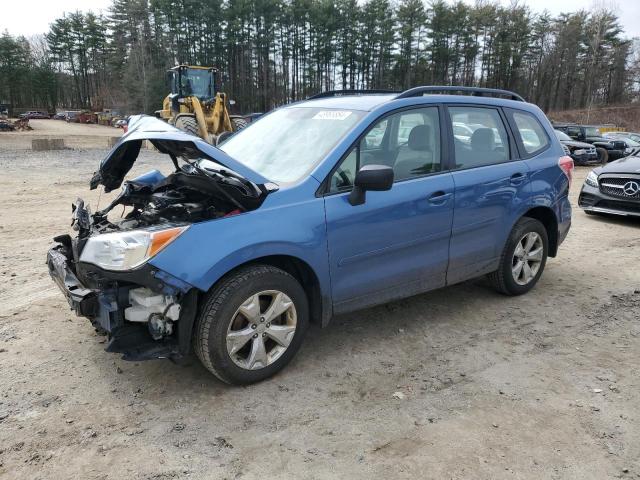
(186,196)
(203,186)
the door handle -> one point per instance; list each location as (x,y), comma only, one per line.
(517,178)
(439,197)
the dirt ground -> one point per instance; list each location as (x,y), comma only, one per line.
(75,135)
(543,386)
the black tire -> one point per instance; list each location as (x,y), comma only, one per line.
(603,155)
(503,278)
(238,123)
(220,305)
(187,124)
(223,136)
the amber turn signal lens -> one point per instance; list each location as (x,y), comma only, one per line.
(161,239)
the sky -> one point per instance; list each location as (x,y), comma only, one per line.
(30,17)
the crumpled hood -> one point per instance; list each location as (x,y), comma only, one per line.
(167,139)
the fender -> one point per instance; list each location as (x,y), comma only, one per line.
(229,242)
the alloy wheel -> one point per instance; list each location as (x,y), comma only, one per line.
(261,329)
(527,258)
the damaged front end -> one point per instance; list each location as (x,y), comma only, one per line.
(145,313)
(104,272)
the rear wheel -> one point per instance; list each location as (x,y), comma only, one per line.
(523,258)
(251,325)
(187,124)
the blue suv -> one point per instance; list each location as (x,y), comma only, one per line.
(337,203)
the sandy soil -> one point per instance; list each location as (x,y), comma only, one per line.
(541,386)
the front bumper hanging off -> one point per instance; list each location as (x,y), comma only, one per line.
(81,300)
(103,297)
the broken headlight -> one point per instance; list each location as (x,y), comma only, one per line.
(127,250)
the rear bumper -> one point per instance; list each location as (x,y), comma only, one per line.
(105,300)
(563,215)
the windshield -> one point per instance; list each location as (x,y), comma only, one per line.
(562,136)
(286,144)
(196,82)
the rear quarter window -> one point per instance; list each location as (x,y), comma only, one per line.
(533,138)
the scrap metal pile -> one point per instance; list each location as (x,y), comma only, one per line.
(22,124)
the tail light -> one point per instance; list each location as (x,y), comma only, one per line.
(566,165)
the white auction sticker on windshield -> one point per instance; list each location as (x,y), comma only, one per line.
(331,115)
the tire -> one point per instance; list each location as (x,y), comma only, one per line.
(220,321)
(187,124)
(223,136)
(238,123)
(504,279)
(603,155)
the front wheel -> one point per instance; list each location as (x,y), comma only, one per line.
(251,325)
(238,123)
(603,155)
(187,124)
(523,258)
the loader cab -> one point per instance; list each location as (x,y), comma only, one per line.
(186,81)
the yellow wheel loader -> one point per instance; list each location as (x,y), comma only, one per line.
(196,107)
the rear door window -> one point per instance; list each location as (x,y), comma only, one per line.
(479,136)
(530,133)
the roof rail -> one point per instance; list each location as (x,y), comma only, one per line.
(339,93)
(474,91)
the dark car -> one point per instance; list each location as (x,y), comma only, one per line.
(608,149)
(34,114)
(633,146)
(613,188)
(582,153)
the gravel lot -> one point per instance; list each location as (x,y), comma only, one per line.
(75,135)
(541,386)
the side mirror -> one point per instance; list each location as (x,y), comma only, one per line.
(376,178)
